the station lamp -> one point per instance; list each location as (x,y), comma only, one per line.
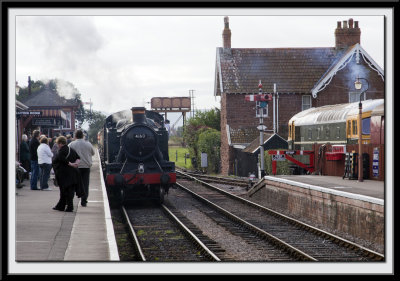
(358,85)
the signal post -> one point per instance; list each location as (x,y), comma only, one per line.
(263,99)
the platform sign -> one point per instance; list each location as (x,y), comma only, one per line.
(375,162)
(278,157)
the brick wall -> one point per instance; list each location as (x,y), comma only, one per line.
(336,168)
(337,214)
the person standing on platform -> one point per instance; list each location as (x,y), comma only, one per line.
(54,149)
(65,165)
(33,146)
(85,151)
(44,160)
(24,155)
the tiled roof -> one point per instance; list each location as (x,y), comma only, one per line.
(48,97)
(271,141)
(243,135)
(294,70)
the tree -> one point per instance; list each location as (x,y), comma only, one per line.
(96,123)
(201,122)
(209,142)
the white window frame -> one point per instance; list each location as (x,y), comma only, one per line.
(355,97)
(264,111)
(68,120)
(304,106)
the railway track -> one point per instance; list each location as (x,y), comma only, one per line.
(159,235)
(215,179)
(301,240)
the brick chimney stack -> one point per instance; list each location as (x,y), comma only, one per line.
(347,35)
(226,34)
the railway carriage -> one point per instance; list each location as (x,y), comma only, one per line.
(133,147)
(334,124)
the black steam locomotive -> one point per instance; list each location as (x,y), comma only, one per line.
(133,147)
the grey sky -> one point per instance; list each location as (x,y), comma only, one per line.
(119,60)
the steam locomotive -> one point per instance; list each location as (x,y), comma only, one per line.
(133,147)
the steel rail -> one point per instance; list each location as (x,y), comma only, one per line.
(255,229)
(132,231)
(351,245)
(195,239)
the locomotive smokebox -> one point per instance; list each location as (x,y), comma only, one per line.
(138,115)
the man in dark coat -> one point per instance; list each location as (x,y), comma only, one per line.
(65,166)
(33,146)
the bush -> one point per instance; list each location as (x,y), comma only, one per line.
(209,141)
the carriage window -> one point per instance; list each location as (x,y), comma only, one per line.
(366,126)
(354,125)
(348,128)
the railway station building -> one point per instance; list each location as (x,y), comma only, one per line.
(48,112)
(298,78)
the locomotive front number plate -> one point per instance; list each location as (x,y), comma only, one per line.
(139,136)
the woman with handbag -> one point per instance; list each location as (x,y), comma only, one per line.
(65,166)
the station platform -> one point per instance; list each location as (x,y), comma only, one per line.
(371,188)
(44,234)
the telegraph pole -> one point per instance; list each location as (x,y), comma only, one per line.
(191,95)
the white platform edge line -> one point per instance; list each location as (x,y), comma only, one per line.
(328,190)
(112,243)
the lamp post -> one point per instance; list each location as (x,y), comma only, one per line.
(358,86)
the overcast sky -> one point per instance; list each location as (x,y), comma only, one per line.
(122,59)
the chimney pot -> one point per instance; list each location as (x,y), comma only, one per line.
(226,34)
(339,24)
(351,23)
(346,37)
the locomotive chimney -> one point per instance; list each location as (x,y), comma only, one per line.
(347,35)
(138,114)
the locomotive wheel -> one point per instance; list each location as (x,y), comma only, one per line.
(162,194)
(117,198)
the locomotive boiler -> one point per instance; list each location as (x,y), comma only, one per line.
(133,147)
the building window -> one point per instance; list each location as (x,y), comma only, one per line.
(68,121)
(309,134)
(306,102)
(338,132)
(355,96)
(264,110)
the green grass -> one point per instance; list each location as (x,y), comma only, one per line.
(181,151)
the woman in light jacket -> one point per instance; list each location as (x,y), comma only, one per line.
(44,161)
